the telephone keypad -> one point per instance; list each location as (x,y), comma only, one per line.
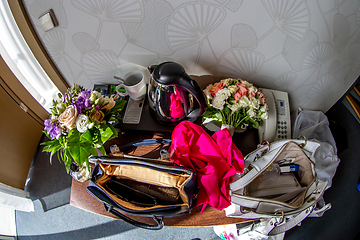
(282,129)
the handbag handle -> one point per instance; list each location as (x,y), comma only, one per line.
(128,146)
(108,205)
(158,219)
(151,141)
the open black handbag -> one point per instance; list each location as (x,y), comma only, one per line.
(142,187)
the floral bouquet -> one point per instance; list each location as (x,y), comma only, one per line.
(80,123)
(235,102)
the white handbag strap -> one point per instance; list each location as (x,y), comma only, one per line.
(277,225)
(288,223)
(244,201)
(258,167)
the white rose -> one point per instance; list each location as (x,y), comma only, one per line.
(226,81)
(252,89)
(254,103)
(247,84)
(244,101)
(235,106)
(251,113)
(223,93)
(264,108)
(83,123)
(95,95)
(264,116)
(233,89)
(218,103)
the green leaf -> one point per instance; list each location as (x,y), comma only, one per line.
(227,110)
(106,132)
(115,133)
(255,125)
(218,116)
(93,152)
(54,150)
(119,105)
(79,145)
(114,113)
(52,142)
(67,159)
(52,147)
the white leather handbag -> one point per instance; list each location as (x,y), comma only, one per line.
(279,186)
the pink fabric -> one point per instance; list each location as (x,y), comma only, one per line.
(176,106)
(214,159)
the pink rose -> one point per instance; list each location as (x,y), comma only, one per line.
(262,97)
(68,117)
(251,94)
(214,89)
(237,95)
(241,92)
(242,89)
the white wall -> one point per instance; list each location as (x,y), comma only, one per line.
(309,48)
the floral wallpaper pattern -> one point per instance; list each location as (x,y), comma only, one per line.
(309,48)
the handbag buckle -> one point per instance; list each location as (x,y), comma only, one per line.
(305,141)
(244,210)
(282,218)
(263,143)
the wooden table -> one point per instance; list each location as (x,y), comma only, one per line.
(80,198)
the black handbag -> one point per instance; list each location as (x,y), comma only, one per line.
(146,187)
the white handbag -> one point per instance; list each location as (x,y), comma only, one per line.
(280,200)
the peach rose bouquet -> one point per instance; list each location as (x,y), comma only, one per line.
(236,103)
(79,123)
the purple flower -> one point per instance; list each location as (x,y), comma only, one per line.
(55,132)
(80,104)
(52,129)
(77,106)
(80,101)
(86,93)
(87,104)
(47,124)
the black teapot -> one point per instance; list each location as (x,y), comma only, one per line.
(173,95)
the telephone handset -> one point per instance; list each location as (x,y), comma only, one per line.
(278,125)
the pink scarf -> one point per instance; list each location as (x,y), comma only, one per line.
(214,159)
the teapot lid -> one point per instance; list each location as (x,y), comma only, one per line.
(167,73)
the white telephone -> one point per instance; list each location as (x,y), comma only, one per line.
(278,125)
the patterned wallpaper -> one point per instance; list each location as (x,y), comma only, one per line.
(311,49)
